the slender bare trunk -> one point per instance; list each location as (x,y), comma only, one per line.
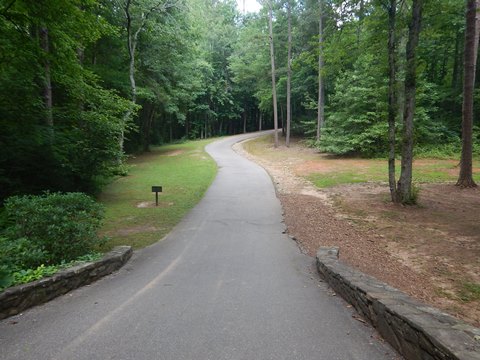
(132,46)
(274,86)
(131,70)
(361,16)
(245,120)
(404,186)
(94,55)
(281,119)
(260,122)
(147,125)
(206,127)
(47,81)
(132,40)
(321,92)
(465,178)
(289,73)
(392,106)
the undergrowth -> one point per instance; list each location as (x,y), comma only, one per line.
(28,275)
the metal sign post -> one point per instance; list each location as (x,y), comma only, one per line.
(156,190)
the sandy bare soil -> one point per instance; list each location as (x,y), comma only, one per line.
(430,251)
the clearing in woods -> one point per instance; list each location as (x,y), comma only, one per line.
(184,170)
(431,250)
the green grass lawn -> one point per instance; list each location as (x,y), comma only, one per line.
(184,170)
(349,172)
(331,170)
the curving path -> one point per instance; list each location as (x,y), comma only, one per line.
(224,284)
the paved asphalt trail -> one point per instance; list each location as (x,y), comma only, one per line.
(225,284)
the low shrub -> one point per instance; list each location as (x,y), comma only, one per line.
(50,229)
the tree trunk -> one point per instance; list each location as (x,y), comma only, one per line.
(260,122)
(289,73)
(132,45)
(274,86)
(321,92)
(361,16)
(94,55)
(282,119)
(147,126)
(392,108)
(245,120)
(404,186)
(132,40)
(47,81)
(465,178)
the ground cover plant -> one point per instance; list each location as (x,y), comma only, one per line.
(184,170)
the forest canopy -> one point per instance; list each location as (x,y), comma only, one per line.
(83,83)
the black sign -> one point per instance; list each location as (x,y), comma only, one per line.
(156,190)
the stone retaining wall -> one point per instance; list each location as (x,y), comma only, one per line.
(19,298)
(415,330)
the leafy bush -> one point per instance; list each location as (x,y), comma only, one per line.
(356,123)
(6,277)
(451,150)
(50,228)
(21,253)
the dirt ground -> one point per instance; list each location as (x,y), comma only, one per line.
(430,251)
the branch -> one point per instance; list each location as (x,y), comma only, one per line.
(161,7)
(8,7)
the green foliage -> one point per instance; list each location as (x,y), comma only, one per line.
(29,275)
(11,277)
(50,228)
(356,119)
(80,149)
(439,151)
(20,253)
(201,69)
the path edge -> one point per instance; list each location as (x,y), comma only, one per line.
(16,299)
(416,330)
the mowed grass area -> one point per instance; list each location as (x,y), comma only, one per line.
(338,171)
(185,171)
(325,170)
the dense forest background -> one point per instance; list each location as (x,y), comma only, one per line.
(83,83)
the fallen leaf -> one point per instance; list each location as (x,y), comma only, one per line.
(359,319)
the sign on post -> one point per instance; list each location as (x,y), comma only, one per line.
(156,190)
